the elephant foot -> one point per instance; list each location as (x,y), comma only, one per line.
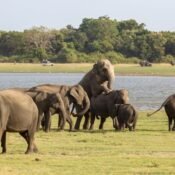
(3,152)
(73,130)
(35,149)
(100,127)
(91,128)
(85,127)
(46,130)
(76,128)
(60,130)
(29,152)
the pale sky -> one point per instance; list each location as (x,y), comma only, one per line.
(157,15)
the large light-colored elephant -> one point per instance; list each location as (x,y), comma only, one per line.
(18,113)
(99,79)
(69,94)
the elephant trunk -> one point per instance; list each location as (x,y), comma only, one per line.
(111,77)
(86,107)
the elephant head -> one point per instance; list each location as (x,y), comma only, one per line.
(121,97)
(48,103)
(104,71)
(80,99)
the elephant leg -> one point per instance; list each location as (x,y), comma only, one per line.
(103,119)
(170,123)
(43,123)
(59,121)
(130,128)
(29,137)
(86,122)
(40,119)
(78,121)
(25,135)
(70,122)
(92,121)
(123,125)
(3,142)
(62,121)
(134,125)
(115,123)
(173,125)
(128,125)
(47,121)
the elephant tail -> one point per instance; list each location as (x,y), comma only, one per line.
(163,104)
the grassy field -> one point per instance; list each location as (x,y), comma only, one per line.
(120,69)
(148,150)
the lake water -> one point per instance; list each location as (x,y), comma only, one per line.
(145,92)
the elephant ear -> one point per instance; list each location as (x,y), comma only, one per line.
(95,68)
(41,96)
(55,98)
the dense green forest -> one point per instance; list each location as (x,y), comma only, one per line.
(120,41)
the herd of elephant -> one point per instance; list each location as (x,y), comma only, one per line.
(25,110)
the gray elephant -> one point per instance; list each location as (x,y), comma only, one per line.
(18,113)
(169,105)
(48,104)
(99,79)
(70,95)
(126,116)
(145,63)
(103,105)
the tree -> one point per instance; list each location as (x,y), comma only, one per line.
(100,32)
(11,43)
(37,38)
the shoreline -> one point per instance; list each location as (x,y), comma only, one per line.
(116,74)
(165,70)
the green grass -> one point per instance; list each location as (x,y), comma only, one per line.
(120,69)
(38,68)
(135,69)
(148,150)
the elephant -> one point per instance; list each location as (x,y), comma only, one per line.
(99,79)
(169,105)
(172,62)
(18,113)
(125,116)
(70,95)
(48,104)
(145,63)
(103,105)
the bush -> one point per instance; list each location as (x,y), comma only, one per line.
(168,59)
(40,53)
(67,56)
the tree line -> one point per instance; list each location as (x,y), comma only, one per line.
(119,41)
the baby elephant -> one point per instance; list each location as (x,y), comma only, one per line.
(125,117)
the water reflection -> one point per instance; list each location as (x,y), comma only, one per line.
(146,92)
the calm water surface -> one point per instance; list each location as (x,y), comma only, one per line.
(145,92)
